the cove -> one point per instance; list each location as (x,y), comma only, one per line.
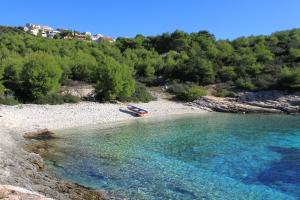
(209,156)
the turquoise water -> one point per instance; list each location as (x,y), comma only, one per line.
(212,156)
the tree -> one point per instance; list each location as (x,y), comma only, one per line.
(200,71)
(1,84)
(83,66)
(263,54)
(40,75)
(295,54)
(290,79)
(115,81)
(179,40)
(225,50)
(227,73)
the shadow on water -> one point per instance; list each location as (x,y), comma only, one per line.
(283,174)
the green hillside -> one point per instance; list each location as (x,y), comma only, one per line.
(32,67)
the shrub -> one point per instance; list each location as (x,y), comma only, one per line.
(221,92)
(193,93)
(245,84)
(54,99)
(68,98)
(9,100)
(141,94)
(51,99)
(177,88)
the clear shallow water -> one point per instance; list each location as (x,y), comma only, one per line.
(213,156)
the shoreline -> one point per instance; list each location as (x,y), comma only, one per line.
(24,169)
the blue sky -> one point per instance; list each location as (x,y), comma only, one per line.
(224,18)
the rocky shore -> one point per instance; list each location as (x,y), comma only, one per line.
(252,102)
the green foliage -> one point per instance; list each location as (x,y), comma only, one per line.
(200,71)
(295,54)
(141,94)
(193,93)
(40,75)
(187,92)
(54,99)
(221,92)
(115,81)
(34,67)
(83,66)
(1,84)
(245,84)
(227,73)
(51,99)
(290,79)
(68,98)
(8,100)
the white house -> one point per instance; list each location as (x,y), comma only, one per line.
(52,33)
(34,31)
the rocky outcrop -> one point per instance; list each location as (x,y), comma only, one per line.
(81,90)
(9,192)
(252,102)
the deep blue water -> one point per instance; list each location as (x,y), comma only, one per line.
(212,156)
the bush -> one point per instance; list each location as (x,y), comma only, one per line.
(54,99)
(68,98)
(51,99)
(9,100)
(187,91)
(221,92)
(177,88)
(245,84)
(141,94)
(193,93)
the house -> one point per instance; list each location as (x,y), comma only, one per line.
(96,37)
(52,33)
(87,33)
(44,34)
(47,31)
(35,29)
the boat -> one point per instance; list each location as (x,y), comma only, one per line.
(138,111)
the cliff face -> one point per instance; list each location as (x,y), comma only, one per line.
(252,102)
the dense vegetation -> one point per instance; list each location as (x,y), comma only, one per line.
(33,68)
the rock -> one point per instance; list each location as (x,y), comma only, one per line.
(16,193)
(42,134)
(37,160)
(78,89)
(252,102)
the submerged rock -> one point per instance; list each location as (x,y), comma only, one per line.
(42,134)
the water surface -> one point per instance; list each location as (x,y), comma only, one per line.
(212,156)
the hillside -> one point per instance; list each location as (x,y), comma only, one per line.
(32,68)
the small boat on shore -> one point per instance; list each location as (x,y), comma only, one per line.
(138,111)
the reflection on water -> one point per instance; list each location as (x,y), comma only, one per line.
(213,156)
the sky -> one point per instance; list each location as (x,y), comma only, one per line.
(226,19)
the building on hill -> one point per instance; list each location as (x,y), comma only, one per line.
(48,32)
(35,29)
